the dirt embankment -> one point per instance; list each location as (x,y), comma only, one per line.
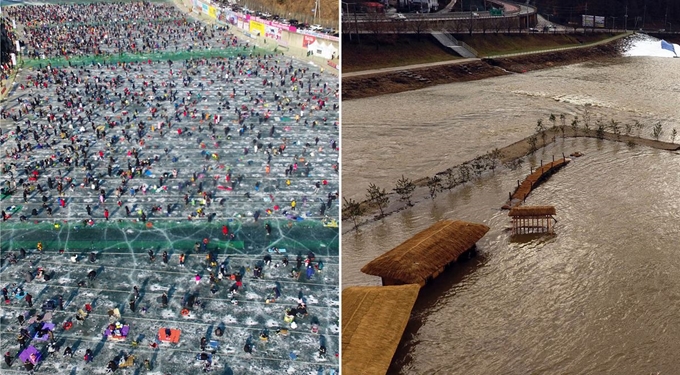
(389,83)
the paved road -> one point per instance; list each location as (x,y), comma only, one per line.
(462,61)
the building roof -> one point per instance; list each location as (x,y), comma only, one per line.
(424,254)
(520,211)
(373,322)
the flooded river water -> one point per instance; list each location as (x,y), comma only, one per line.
(603,294)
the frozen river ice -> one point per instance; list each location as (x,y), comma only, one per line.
(165,156)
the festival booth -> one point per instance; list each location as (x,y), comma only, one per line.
(319,47)
(30,354)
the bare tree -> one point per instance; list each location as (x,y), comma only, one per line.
(419,24)
(376,25)
(497,24)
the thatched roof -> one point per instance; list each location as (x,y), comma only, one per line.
(532,211)
(424,254)
(373,322)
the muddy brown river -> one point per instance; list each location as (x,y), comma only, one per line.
(600,296)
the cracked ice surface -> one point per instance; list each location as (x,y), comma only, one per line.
(122,242)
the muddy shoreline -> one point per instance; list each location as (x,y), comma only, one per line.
(395,82)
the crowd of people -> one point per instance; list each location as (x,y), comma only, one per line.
(76,30)
(251,138)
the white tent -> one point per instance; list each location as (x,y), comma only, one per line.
(323,49)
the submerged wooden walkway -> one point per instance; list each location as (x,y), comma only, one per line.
(532,181)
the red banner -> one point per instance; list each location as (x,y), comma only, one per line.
(307,40)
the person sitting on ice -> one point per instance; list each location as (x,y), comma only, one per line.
(264,335)
(322,351)
(233,289)
(111,367)
(302,309)
(74,258)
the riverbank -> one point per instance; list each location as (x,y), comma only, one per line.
(508,155)
(393,82)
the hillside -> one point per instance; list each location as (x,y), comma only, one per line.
(301,10)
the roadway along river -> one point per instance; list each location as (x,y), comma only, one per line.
(603,294)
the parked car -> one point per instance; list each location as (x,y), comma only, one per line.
(399,16)
(533,30)
(293,22)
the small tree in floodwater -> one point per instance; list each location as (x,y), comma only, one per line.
(515,164)
(495,157)
(404,189)
(533,141)
(628,128)
(616,128)
(563,124)
(434,184)
(574,125)
(657,130)
(540,129)
(586,117)
(478,166)
(378,197)
(464,173)
(599,132)
(553,119)
(353,210)
(674,134)
(451,180)
(639,126)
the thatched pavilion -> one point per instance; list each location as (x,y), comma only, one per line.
(426,254)
(373,322)
(532,219)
